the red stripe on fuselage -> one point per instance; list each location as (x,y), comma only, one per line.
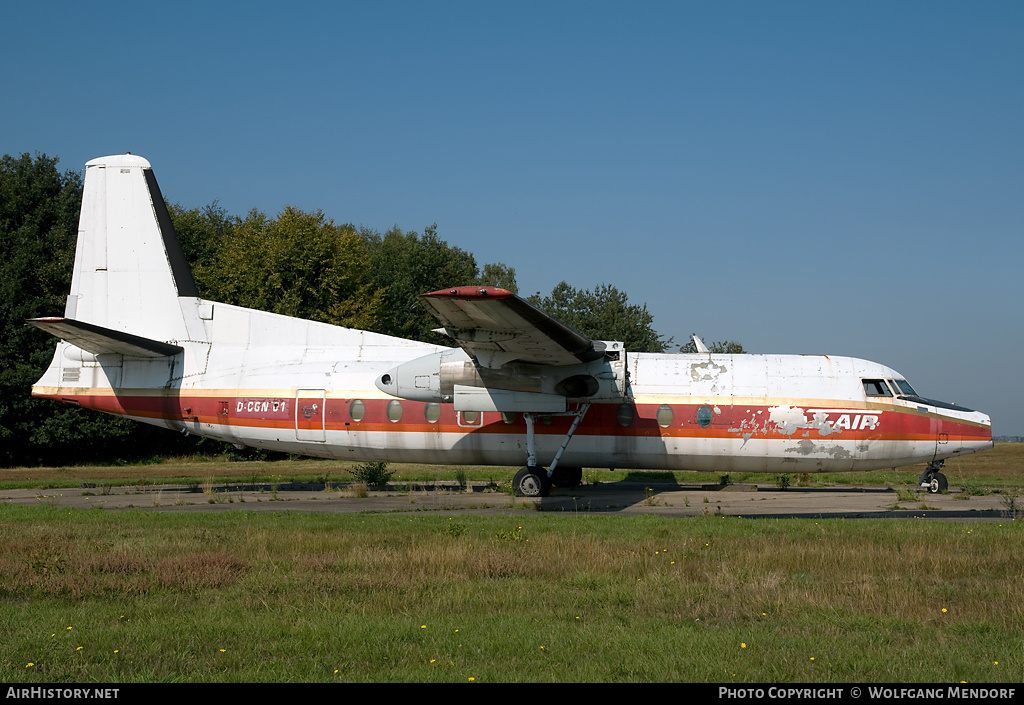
(843,422)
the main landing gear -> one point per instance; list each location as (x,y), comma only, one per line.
(531,482)
(933,480)
(534,480)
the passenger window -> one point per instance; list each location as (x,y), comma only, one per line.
(876,388)
(432,412)
(357,409)
(469,419)
(394,411)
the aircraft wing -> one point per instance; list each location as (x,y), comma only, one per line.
(495,326)
(99,340)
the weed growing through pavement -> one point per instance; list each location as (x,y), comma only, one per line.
(973,488)
(373,474)
(906,496)
(1012,504)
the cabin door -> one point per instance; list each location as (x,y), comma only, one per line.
(309,415)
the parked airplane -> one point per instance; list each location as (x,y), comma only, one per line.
(137,340)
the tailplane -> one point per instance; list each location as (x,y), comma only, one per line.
(104,341)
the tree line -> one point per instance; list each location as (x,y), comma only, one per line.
(296,263)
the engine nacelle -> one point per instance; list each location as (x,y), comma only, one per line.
(434,377)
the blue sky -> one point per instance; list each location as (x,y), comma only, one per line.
(803,177)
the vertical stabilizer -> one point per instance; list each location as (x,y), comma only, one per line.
(130,271)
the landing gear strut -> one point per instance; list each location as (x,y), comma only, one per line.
(933,480)
(534,480)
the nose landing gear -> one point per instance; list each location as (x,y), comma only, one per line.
(933,480)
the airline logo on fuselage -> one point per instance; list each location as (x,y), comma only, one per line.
(843,419)
(788,420)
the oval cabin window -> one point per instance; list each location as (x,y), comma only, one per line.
(394,411)
(357,410)
(432,412)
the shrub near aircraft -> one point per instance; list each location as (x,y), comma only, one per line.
(137,340)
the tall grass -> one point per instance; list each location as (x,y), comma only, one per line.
(239,596)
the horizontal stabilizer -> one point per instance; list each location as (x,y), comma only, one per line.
(103,341)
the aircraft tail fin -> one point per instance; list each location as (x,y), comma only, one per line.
(130,272)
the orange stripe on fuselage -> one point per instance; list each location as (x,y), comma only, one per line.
(745,417)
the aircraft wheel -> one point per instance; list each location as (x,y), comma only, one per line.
(531,482)
(567,477)
(938,484)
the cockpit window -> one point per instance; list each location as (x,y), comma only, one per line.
(904,387)
(876,388)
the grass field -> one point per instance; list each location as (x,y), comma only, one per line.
(140,596)
(92,595)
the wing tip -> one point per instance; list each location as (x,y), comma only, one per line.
(471,292)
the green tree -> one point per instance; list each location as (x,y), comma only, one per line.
(203,232)
(603,314)
(722,346)
(499,275)
(407,264)
(298,264)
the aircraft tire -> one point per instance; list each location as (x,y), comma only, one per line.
(531,482)
(938,484)
(567,477)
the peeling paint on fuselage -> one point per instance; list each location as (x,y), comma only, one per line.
(788,420)
(706,371)
(810,448)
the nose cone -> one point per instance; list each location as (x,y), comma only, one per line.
(388,382)
(972,428)
(986,441)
